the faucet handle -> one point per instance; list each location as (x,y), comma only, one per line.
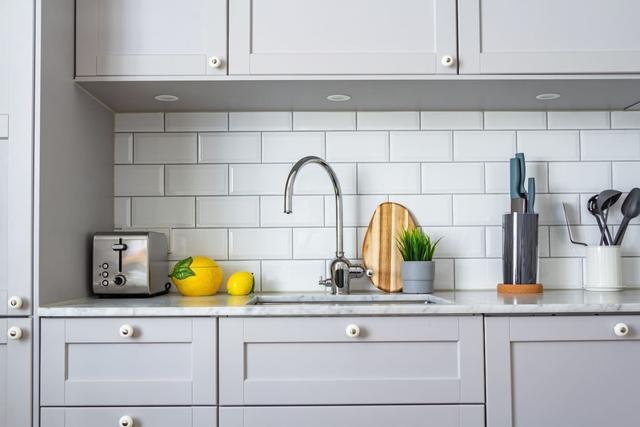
(324,282)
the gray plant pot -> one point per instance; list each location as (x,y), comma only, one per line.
(418,276)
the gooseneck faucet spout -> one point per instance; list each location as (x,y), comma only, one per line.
(288,195)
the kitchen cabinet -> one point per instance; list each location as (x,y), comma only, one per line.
(353,416)
(337,37)
(15,372)
(151,37)
(548,36)
(561,371)
(351,360)
(128,361)
(129,417)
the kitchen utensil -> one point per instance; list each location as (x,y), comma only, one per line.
(605,200)
(518,203)
(523,174)
(630,209)
(531,195)
(379,251)
(519,253)
(592,207)
(603,270)
(566,221)
(130,263)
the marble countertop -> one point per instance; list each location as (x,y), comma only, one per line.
(461,302)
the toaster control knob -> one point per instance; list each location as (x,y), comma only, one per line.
(119,280)
(105,274)
(105,283)
(15,302)
(105,265)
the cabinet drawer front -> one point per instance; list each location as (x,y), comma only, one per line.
(161,362)
(15,374)
(354,416)
(572,328)
(111,417)
(312,361)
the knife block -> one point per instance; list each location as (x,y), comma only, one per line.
(520,253)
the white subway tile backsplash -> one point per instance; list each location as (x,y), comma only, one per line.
(515,120)
(138,180)
(236,211)
(163,212)
(357,146)
(121,212)
(258,179)
(260,243)
(308,211)
(560,273)
(268,120)
(196,122)
(421,146)
(610,145)
(444,276)
(574,177)
(324,120)
(139,122)
(458,242)
(357,210)
(291,146)
(549,145)
(626,175)
(196,180)
(625,119)
(483,146)
(549,208)
(385,178)
(165,148)
(479,209)
(320,243)
(187,242)
(631,241)
(290,276)
(562,247)
(578,119)
(446,178)
(388,120)
(313,179)
(631,272)
(428,210)
(123,148)
(446,120)
(473,274)
(497,176)
(230,147)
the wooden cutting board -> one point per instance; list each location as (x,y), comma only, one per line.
(379,250)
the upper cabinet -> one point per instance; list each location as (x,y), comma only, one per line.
(151,37)
(342,37)
(549,36)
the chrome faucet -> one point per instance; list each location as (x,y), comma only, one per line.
(341,269)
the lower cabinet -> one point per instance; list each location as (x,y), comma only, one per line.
(15,372)
(353,416)
(562,371)
(129,417)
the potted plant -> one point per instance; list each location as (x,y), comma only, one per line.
(418,267)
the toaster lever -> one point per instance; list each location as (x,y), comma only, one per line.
(119,246)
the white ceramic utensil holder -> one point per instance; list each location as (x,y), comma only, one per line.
(604,268)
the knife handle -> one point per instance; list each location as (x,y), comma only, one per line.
(531,195)
(523,173)
(514,178)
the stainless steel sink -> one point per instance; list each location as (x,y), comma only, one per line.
(353,299)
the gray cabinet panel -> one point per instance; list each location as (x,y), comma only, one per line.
(561,371)
(15,374)
(165,362)
(150,37)
(548,36)
(338,37)
(281,361)
(353,416)
(144,417)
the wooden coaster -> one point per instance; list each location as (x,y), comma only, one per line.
(519,289)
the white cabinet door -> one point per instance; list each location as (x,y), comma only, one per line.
(202,416)
(16,148)
(151,37)
(342,37)
(549,36)
(15,373)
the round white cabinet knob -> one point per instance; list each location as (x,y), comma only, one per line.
(621,329)
(126,331)
(14,333)
(15,302)
(353,331)
(125,421)
(448,61)
(215,62)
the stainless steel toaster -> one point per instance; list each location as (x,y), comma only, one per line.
(130,263)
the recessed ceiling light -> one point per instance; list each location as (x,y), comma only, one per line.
(548,96)
(338,97)
(166,98)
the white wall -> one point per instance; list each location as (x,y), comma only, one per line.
(214,183)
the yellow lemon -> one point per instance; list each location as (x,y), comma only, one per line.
(197,276)
(240,283)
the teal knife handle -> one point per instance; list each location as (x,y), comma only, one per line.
(531,196)
(523,173)
(514,178)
